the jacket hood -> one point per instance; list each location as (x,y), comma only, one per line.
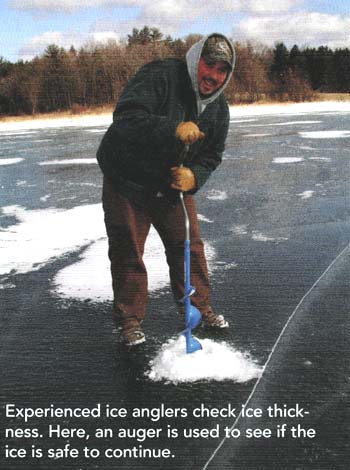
(192,59)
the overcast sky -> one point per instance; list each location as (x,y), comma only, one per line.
(28,26)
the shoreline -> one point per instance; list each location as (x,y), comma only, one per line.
(103,116)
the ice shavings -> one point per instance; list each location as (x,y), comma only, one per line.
(283,160)
(10,161)
(325,134)
(216,361)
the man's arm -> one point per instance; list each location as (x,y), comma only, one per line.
(138,113)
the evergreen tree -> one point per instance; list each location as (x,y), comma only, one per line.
(280,63)
(144,36)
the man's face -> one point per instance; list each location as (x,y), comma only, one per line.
(211,76)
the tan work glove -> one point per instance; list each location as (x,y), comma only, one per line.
(189,132)
(182,178)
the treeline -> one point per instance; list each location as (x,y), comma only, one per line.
(95,75)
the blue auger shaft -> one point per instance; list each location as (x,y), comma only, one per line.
(192,344)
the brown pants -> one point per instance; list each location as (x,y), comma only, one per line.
(127,228)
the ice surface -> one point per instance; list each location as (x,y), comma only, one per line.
(216,361)
(236,112)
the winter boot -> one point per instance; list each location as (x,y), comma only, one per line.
(210,319)
(131,332)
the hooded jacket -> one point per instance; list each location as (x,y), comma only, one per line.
(140,146)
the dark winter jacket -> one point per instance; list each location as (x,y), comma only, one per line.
(140,146)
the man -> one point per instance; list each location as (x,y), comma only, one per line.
(166,105)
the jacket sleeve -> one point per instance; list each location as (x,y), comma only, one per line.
(211,155)
(138,114)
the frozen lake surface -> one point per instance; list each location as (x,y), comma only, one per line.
(274,217)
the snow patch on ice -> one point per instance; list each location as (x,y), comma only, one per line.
(216,195)
(306,194)
(260,237)
(10,161)
(283,160)
(224,266)
(306,147)
(75,121)
(70,161)
(90,277)
(239,229)
(216,361)
(290,109)
(42,235)
(325,134)
(257,135)
(237,121)
(324,159)
(289,123)
(202,218)
(13,130)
